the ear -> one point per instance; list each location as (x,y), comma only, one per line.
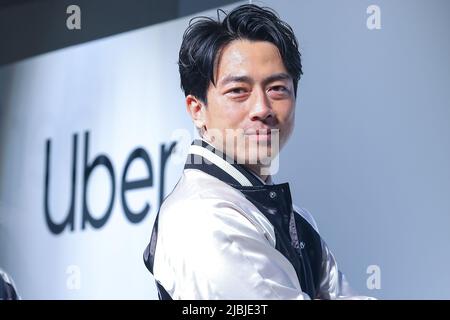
(196,109)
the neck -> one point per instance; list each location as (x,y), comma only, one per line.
(257,169)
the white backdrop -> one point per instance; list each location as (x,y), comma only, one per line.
(123,90)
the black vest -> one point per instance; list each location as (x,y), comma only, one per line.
(296,239)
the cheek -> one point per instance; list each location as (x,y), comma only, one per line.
(291,118)
(227,116)
(289,122)
(234,117)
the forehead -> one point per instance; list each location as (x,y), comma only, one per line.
(250,58)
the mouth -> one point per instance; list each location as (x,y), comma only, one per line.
(260,134)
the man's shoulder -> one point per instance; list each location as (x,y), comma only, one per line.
(307,216)
(200,198)
(197,191)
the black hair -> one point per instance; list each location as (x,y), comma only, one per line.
(205,37)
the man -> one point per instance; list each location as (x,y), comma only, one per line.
(227,231)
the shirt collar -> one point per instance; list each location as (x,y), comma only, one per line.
(203,156)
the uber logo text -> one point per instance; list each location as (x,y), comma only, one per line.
(102,160)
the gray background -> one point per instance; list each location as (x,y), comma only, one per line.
(370,157)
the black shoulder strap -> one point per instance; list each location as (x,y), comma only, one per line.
(149,258)
(162,293)
(7,291)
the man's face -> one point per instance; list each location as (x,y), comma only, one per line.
(253,94)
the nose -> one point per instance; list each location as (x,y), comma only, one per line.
(261,108)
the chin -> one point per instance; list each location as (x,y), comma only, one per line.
(262,155)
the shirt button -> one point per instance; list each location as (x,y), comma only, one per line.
(272,194)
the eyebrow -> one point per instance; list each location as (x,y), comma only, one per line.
(277,77)
(247,79)
(229,79)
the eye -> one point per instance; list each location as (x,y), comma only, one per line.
(279,88)
(237,91)
(279,92)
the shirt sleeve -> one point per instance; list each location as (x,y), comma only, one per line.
(333,284)
(209,250)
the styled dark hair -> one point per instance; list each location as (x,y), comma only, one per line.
(205,37)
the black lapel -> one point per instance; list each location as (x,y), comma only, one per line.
(196,161)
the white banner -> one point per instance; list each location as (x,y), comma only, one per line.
(87,134)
